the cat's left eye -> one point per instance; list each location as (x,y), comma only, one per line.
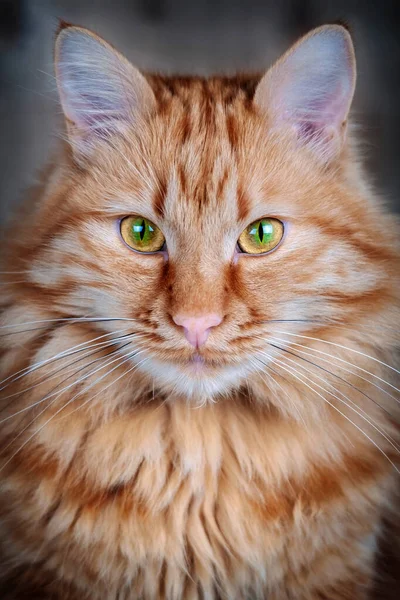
(141,234)
(261,236)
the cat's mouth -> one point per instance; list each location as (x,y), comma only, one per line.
(199,374)
(200,364)
(197,364)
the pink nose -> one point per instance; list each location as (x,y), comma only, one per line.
(197,328)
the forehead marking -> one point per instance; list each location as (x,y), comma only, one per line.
(159,198)
(243,203)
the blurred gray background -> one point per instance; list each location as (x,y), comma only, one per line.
(185,36)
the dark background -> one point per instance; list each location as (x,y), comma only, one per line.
(187,36)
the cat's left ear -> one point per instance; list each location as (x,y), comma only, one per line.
(101,93)
(310,90)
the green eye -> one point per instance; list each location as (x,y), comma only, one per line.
(261,236)
(141,234)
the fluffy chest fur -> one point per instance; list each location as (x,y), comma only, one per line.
(177,502)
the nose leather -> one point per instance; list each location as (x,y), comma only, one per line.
(197,329)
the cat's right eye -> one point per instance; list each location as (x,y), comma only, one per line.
(261,236)
(141,234)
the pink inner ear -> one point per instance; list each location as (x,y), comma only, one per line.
(312,86)
(328,109)
(323,113)
(95,113)
(92,91)
(100,91)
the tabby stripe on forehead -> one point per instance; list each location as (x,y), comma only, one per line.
(243,204)
(231,129)
(221,184)
(159,198)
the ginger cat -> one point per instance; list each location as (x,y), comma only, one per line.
(199,395)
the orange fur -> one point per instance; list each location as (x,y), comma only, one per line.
(249,476)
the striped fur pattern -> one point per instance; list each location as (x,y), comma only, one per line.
(261,469)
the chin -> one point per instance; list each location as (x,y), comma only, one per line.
(196,380)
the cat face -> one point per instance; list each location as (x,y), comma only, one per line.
(202,163)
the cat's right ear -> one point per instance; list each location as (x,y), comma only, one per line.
(310,89)
(101,93)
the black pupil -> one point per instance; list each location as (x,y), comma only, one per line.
(142,230)
(261,232)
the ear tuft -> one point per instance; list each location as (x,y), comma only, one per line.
(311,88)
(343,23)
(101,92)
(62,25)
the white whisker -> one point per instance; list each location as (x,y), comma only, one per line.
(53,373)
(68,352)
(59,392)
(68,319)
(344,348)
(123,359)
(332,356)
(357,410)
(264,377)
(347,363)
(133,368)
(290,371)
(57,395)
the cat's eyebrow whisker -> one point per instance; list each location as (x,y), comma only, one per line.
(149,183)
(150,171)
(347,400)
(342,360)
(85,389)
(290,371)
(307,337)
(348,383)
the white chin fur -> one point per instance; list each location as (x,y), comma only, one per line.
(203,386)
